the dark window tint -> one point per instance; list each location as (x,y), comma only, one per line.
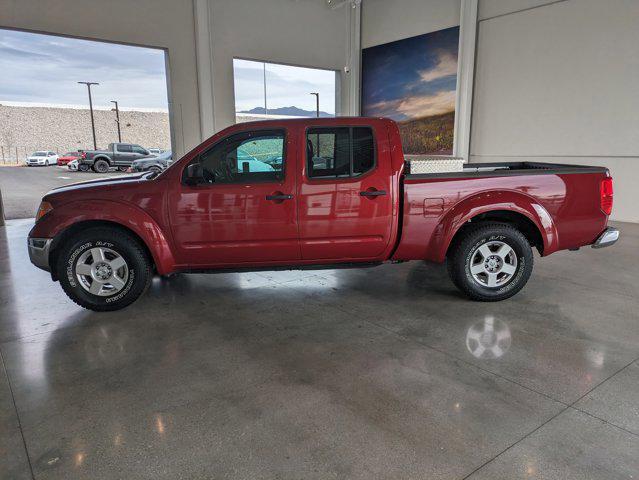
(339,152)
(363,150)
(328,152)
(124,148)
(245,158)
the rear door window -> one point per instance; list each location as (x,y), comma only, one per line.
(339,152)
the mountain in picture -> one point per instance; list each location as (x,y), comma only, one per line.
(292,111)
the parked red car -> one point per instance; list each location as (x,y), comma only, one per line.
(68,157)
(312,193)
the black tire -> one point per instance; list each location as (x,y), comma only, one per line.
(123,169)
(155,169)
(101,166)
(465,251)
(83,167)
(138,267)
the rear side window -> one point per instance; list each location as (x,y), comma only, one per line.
(124,148)
(339,152)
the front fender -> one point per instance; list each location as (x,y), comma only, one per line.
(129,216)
(491,201)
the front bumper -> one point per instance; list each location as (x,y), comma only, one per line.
(39,252)
(608,237)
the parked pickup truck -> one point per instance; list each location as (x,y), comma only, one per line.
(340,194)
(119,155)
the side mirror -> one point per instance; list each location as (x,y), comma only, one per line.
(194,174)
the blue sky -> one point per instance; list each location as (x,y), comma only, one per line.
(40,68)
(285,86)
(411,78)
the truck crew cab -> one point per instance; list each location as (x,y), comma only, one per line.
(309,193)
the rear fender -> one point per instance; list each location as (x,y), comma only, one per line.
(490,201)
(124,214)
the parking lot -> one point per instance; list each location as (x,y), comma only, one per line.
(23,187)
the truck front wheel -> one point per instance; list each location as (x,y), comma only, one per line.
(490,262)
(103,269)
(101,166)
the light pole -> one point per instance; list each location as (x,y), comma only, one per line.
(265,109)
(316,103)
(88,84)
(117,119)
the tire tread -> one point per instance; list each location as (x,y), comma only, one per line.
(106,232)
(456,261)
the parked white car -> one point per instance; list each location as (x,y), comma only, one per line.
(73,165)
(43,158)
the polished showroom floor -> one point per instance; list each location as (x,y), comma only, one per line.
(374,373)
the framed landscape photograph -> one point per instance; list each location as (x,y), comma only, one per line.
(414,82)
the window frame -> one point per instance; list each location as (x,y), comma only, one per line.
(280,181)
(350,136)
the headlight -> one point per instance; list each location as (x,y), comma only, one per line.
(43,209)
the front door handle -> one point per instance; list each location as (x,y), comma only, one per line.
(372,193)
(279,196)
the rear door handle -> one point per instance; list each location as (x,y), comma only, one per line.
(279,197)
(372,193)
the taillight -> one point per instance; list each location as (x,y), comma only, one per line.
(605,191)
(84,155)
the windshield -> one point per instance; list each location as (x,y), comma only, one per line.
(39,154)
(71,154)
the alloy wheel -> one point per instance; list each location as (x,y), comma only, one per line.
(102,271)
(493,264)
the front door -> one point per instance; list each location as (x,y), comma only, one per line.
(345,194)
(244,210)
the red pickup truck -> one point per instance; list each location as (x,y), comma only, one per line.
(314,193)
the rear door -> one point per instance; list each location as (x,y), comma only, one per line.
(123,154)
(344,194)
(245,211)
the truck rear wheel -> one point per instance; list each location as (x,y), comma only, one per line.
(103,269)
(490,262)
(101,166)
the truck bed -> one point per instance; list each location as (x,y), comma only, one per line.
(562,201)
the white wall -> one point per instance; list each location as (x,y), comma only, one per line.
(558,82)
(296,32)
(386,21)
(160,23)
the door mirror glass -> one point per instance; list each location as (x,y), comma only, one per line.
(194,174)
